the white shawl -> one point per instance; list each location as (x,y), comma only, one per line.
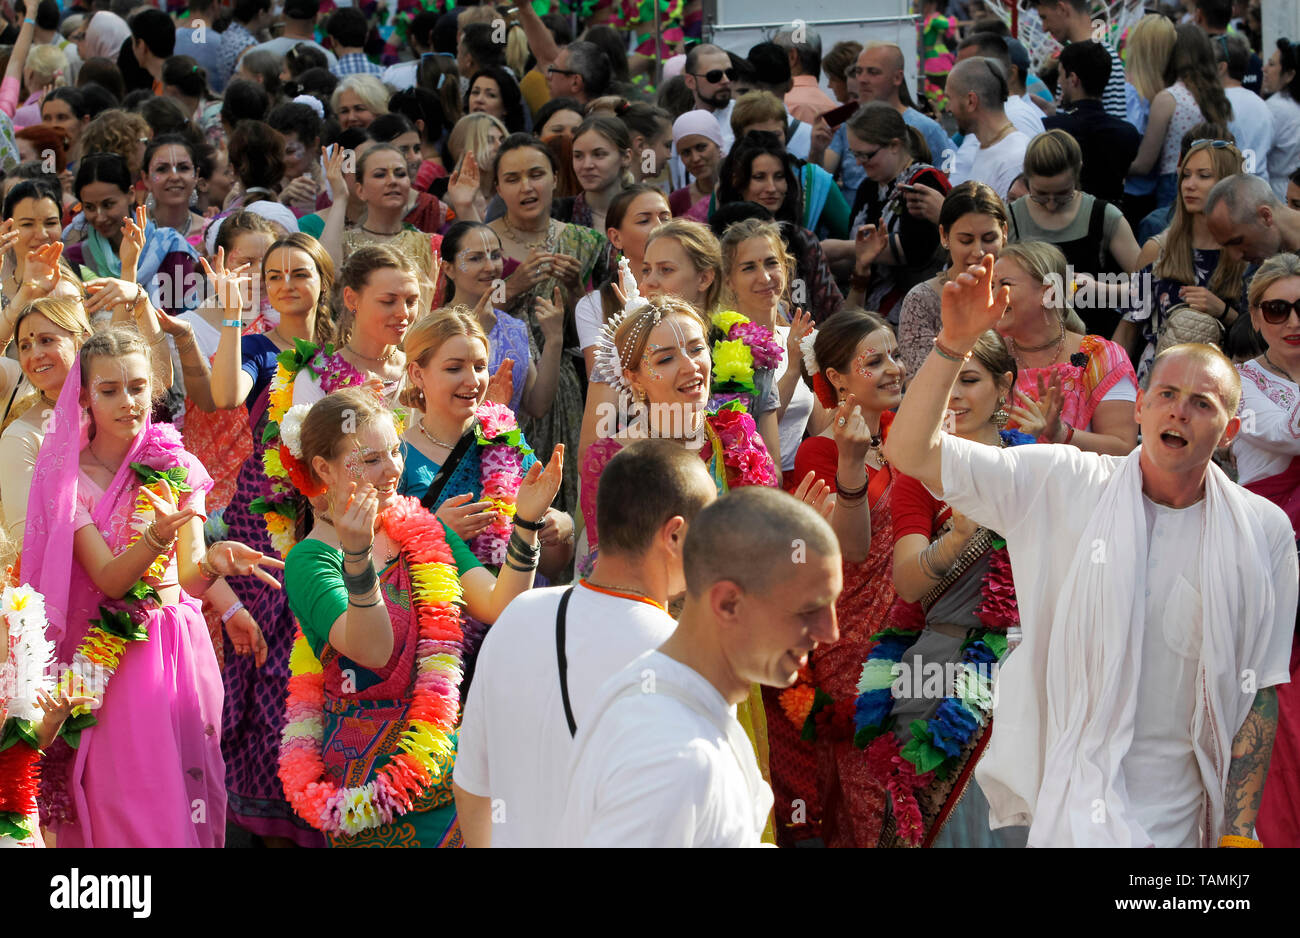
(1076,679)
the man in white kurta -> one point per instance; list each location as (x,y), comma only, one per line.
(1157,600)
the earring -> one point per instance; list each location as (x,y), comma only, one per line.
(1000,416)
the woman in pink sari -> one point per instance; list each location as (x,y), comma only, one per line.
(116,548)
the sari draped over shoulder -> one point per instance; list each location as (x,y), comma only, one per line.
(1084,386)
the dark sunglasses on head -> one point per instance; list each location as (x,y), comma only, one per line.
(714,76)
(1216,144)
(1276,312)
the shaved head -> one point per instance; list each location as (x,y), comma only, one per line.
(885,54)
(976,74)
(753,537)
(1212,361)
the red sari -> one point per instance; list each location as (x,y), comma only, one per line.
(830,774)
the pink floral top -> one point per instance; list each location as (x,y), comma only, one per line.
(1086,379)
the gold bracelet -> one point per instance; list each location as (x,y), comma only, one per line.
(206,570)
(1236,840)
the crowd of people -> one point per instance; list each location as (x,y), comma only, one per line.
(527,426)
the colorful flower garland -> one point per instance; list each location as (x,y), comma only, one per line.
(938,743)
(501,472)
(121,620)
(743,459)
(435,703)
(281,506)
(29,655)
(742,347)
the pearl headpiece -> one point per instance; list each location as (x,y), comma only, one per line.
(608,359)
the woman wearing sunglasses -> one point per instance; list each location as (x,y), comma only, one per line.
(1268,463)
(1187,268)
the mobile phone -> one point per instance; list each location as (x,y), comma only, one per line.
(904,187)
(839,115)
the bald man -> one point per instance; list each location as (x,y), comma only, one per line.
(663,762)
(1157,599)
(1249,222)
(977,94)
(881,77)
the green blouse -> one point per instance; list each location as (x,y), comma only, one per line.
(313,582)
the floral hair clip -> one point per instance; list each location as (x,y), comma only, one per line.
(809,355)
(290,450)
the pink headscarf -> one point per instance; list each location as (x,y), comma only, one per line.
(48,564)
(105,35)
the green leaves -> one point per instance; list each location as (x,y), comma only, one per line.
(920,751)
(260,506)
(17,730)
(175,476)
(300,356)
(118,622)
(73,726)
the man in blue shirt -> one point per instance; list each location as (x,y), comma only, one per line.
(201,42)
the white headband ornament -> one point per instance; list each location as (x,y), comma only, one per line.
(312,102)
(608,359)
(806,350)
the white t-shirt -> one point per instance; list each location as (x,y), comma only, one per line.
(1251,126)
(1164,783)
(590,317)
(998,165)
(664,764)
(514,743)
(1027,116)
(797,412)
(1270,424)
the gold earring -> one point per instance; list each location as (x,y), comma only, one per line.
(1000,416)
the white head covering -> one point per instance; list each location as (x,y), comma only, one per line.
(105,35)
(272,211)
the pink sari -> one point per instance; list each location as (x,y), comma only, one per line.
(149,773)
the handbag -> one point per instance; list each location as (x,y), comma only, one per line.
(1183,324)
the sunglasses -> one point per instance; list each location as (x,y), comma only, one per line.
(1216,144)
(1276,312)
(713,76)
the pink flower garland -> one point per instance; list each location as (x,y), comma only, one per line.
(501,472)
(885,762)
(999,610)
(762,344)
(743,452)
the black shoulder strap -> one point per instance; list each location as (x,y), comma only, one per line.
(448,467)
(1015,225)
(1096,228)
(10,406)
(562,660)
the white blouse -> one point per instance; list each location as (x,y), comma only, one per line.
(1270,424)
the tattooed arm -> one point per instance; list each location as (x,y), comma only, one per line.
(1251,750)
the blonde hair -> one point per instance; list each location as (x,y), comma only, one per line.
(118,342)
(1176,252)
(1052,153)
(322,429)
(1046,264)
(516,49)
(373,93)
(429,334)
(633,333)
(702,250)
(49,66)
(471,133)
(756,107)
(70,316)
(1278,267)
(355,274)
(742,231)
(1147,53)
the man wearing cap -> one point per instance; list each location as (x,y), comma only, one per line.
(299,21)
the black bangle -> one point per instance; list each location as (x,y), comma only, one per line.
(361,583)
(530,525)
(352,602)
(522,557)
(521,569)
(851,494)
(519,542)
(358,553)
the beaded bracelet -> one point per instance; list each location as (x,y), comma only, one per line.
(945,352)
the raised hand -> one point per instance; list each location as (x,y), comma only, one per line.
(528,274)
(168,519)
(465,516)
(557,530)
(538,489)
(924,202)
(8,236)
(43,272)
(464,184)
(566,269)
(800,326)
(227,284)
(970,306)
(231,558)
(133,241)
(821,135)
(355,513)
(850,431)
(300,191)
(816,494)
(176,328)
(1051,398)
(111,293)
(333,159)
(867,245)
(501,388)
(549,315)
(246,636)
